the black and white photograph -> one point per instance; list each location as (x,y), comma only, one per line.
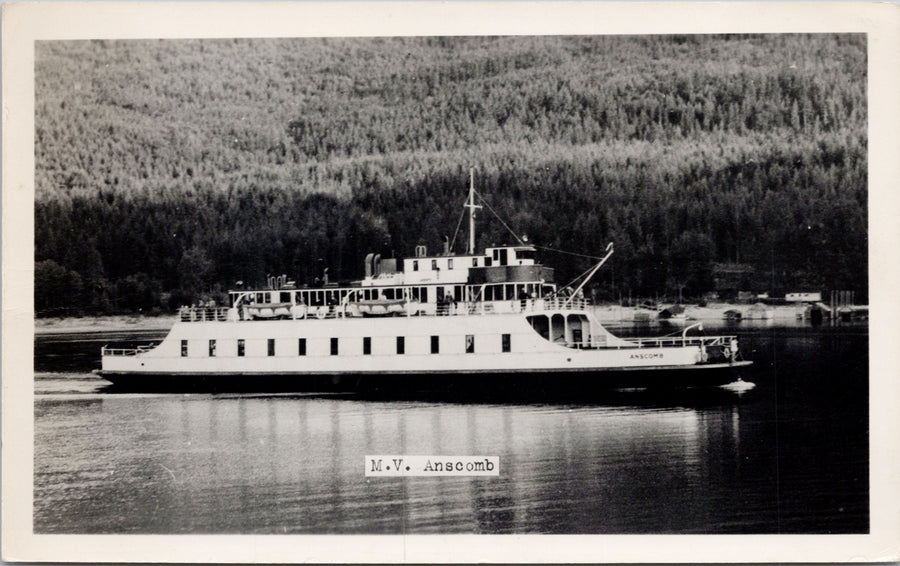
(434,281)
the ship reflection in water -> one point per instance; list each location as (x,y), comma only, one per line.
(288,464)
(703,460)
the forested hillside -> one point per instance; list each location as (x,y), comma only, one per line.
(168,170)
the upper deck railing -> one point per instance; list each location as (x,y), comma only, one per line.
(203,314)
(106,351)
(276,311)
(677,341)
(525,305)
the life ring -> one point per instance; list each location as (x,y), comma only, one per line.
(726,351)
(321,312)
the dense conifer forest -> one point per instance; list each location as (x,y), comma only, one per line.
(168,170)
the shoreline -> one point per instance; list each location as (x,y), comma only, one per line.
(605,313)
(712,311)
(64,325)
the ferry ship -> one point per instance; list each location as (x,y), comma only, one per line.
(493,320)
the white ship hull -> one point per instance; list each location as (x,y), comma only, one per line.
(345,350)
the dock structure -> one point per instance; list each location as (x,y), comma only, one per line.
(841,307)
(844,307)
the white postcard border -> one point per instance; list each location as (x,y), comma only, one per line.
(24,23)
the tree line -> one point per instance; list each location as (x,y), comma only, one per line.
(166,171)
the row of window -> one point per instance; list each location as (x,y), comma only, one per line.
(421,293)
(506,345)
(435,267)
(318,298)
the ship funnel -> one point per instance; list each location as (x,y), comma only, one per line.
(376,265)
(368,264)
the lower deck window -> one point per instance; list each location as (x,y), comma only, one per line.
(470,343)
(301,346)
(212,348)
(334,346)
(271,346)
(435,344)
(240,347)
(506,342)
(367,346)
(401,344)
(184,350)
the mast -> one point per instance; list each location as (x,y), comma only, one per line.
(472,206)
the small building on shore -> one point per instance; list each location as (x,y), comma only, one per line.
(759,311)
(804,297)
(672,312)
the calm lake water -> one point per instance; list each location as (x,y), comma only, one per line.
(788,456)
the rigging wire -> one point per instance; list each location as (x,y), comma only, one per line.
(458,225)
(565,252)
(572,282)
(494,212)
(516,236)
